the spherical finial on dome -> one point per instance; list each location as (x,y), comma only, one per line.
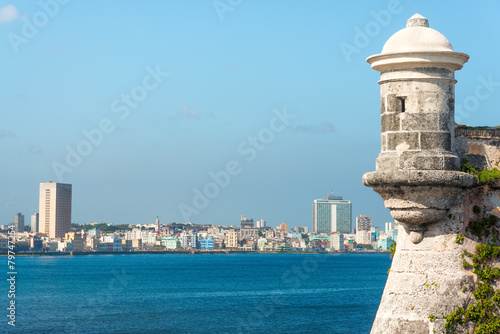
(417,20)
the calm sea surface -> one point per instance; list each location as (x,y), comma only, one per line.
(174,293)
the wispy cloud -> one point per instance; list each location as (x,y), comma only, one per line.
(190,113)
(7,134)
(186,113)
(35,149)
(319,128)
(8,14)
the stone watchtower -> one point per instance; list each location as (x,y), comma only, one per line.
(418,176)
(417,172)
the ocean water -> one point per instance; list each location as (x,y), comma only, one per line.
(175,293)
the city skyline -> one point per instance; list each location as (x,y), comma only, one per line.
(192,113)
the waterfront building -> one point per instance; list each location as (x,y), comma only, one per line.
(19,222)
(36,244)
(207,243)
(76,241)
(189,240)
(55,209)
(170,243)
(332,214)
(117,245)
(385,244)
(232,239)
(337,241)
(34,222)
(105,247)
(127,245)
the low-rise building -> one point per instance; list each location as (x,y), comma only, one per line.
(207,243)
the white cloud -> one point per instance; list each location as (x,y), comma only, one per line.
(8,14)
(190,113)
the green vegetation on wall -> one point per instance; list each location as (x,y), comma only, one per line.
(483,311)
(483,176)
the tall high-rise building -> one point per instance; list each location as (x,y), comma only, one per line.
(55,209)
(332,214)
(34,222)
(19,222)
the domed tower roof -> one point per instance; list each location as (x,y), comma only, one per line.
(417,36)
(417,45)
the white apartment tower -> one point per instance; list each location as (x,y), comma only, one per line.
(55,209)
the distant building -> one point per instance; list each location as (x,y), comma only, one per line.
(284,227)
(170,243)
(189,240)
(245,222)
(261,223)
(385,244)
(337,241)
(363,230)
(36,244)
(301,229)
(375,233)
(207,243)
(76,239)
(55,209)
(18,222)
(332,214)
(34,222)
(391,226)
(232,239)
(363,223)
(393,234)
(247,229)
(157,225)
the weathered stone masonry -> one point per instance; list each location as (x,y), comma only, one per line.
(418,176)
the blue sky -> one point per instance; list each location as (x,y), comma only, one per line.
(171,93)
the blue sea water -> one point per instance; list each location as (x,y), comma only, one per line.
(177,293)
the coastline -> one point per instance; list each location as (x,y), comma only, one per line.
(186,252)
